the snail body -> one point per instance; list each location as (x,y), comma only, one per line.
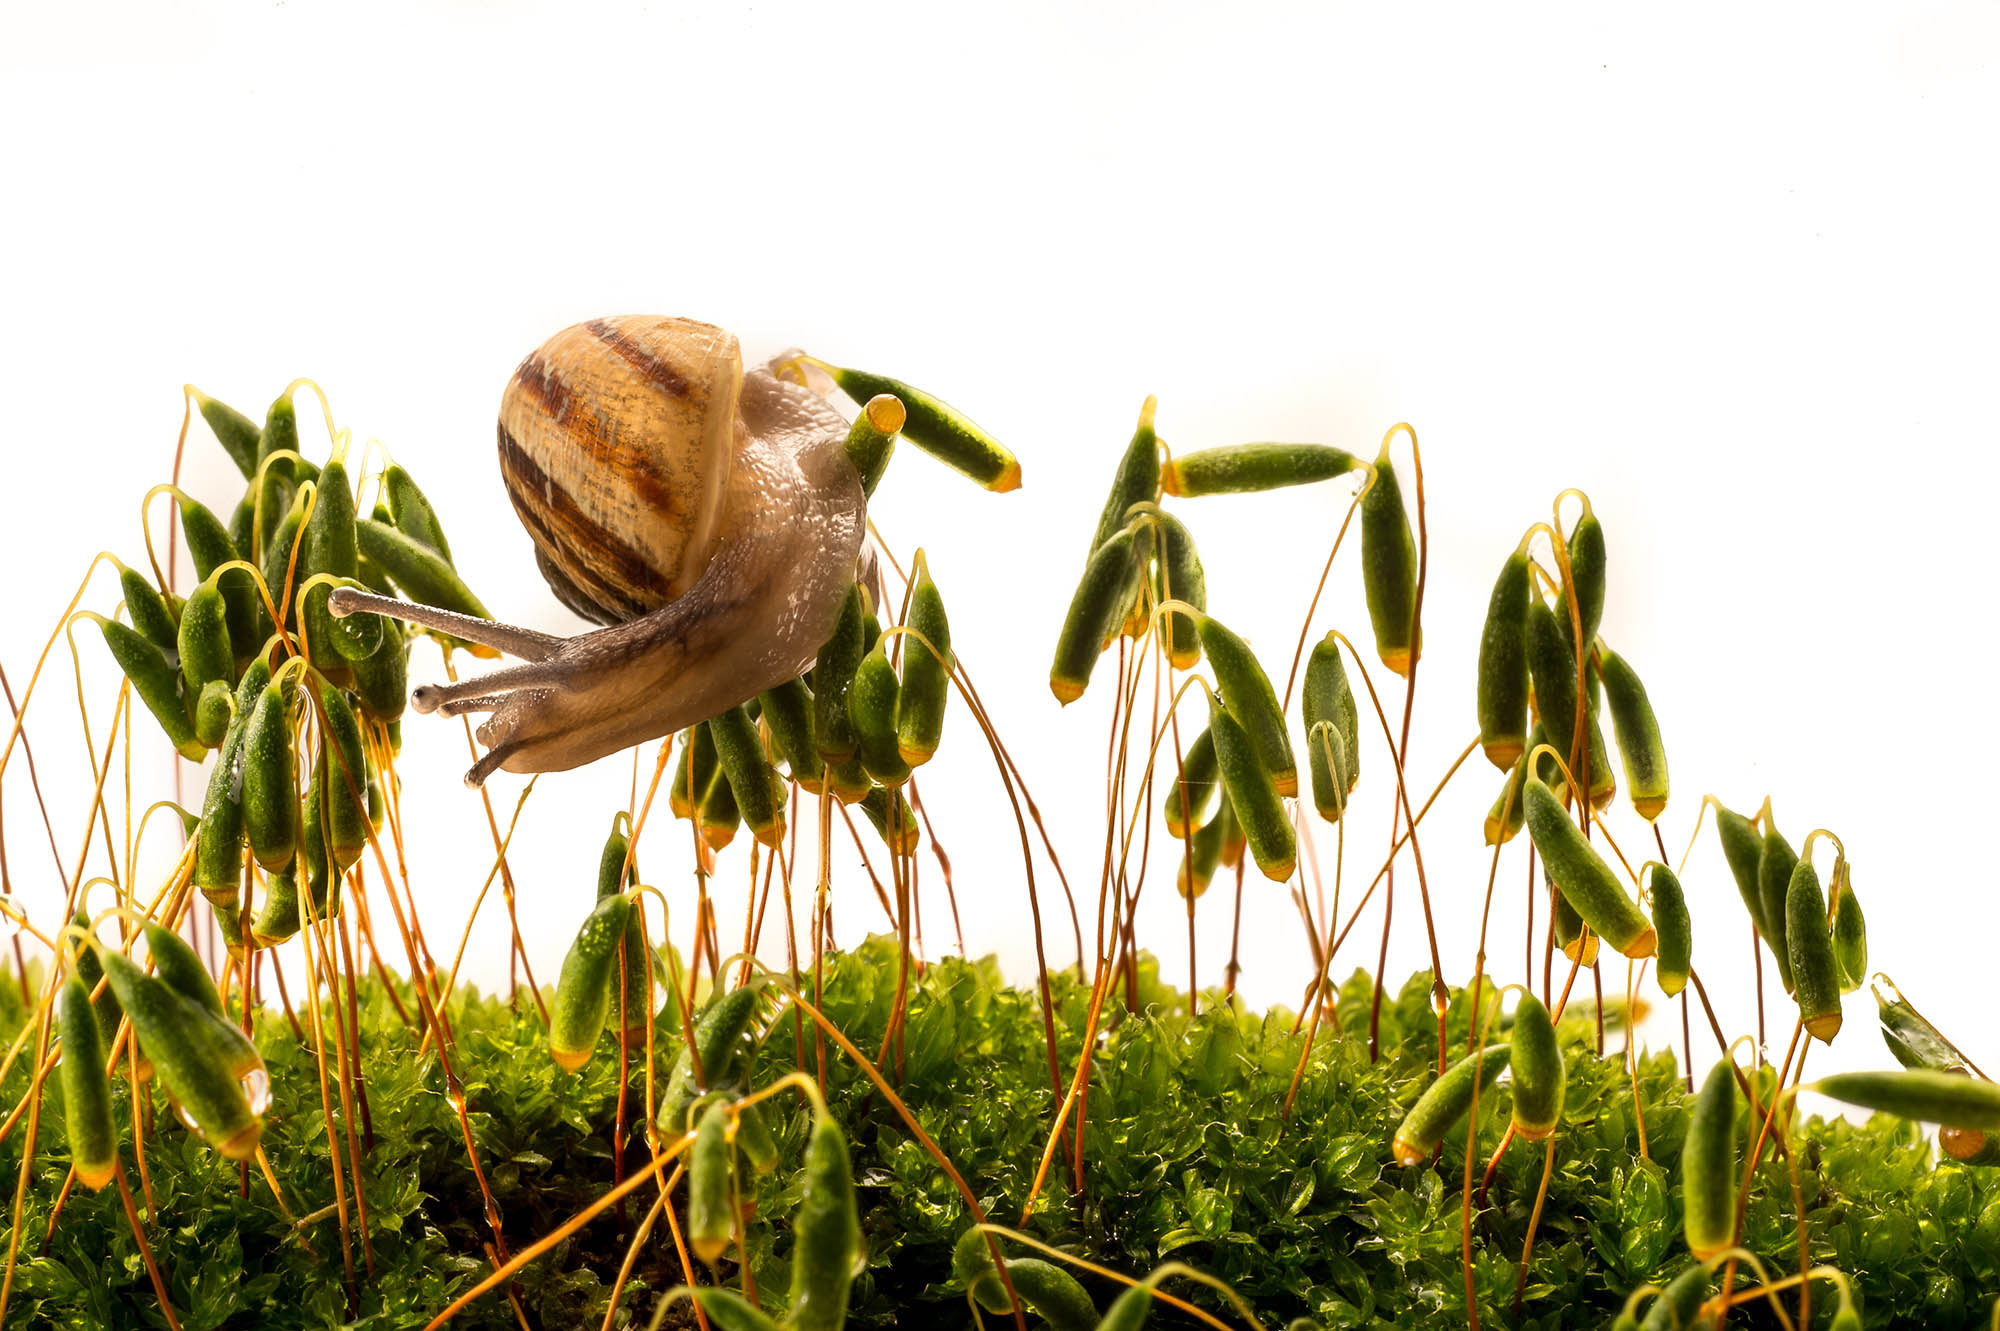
(708,517)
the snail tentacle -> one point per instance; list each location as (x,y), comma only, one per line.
(527,644)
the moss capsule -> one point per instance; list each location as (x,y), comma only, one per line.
(939,429)
(1191,788)
(1389,569)
(1095,611)
(1644,756)
(711,1215)
(1775,863)
(833,679)
(175,1033)
(156,683)
(1552,667)
(204,642)
(1178,575)
(729,1311)
(177,964)
(1578,944)
(1204,852)
(785,715)
(1708,1166)
(1503,666)
(638,993)
(1742,846)
(587,986)
(411,512)
(1674,926)
(270,781)
(148,610)
(826,1233)
(1679,1304)
(717,815)
(871,440)
(1050,1292)
(751,780)
(1924,1094)
(871,706)
(892,818)
(1582,875)
(1443,1101)
(381,679)
(696,772)
(1251,700)
(1586,577)
(218,864)
(1329,701)
(209,547)
(718,1037)
(1539,1074)
(236,432)
(345,783)
(926,687)
(421,572)
(1815,968)
(1503,820)
(1249,468)
(278,916)
(93,1137)
(1254,796)
(1850,930)
(328,545)
(1137,480)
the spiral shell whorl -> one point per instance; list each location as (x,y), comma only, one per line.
(616,439)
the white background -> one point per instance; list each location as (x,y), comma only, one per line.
(1733,272)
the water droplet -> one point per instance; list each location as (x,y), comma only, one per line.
(257,1089)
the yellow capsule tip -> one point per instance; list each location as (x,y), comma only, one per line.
(1644,944)
(1280,872)
(1067,691)
(886,413)
(1408,1152)
(1170,479)
(244,1144)
(1397,659)
(914,757)
(1533,1132)
(1504,753)
(1671,983)
(709,1250)
(770,834)
(95,1176)
(569,1060)
(1649,808)
(1287,782)
(1008,479)
(1824,1027)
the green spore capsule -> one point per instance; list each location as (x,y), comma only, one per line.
(352,638)
(871,706)
(1708,1166)
(1674,926)
(1603,783)
(754,1139)
(236,432)
(1552,667)
(1179,576)
(329,546)
(204,642)
(176,963)
(1815,968)
(1911,1037)
(281,428)
(1680,1302)
(1050,1292)
(718,1037)
(1503,666)
(1639,745)
(213,711)
(871,440)
(1251,700)
(93,1137)
(1328,700)
(1389,569)
(638,993)
(208,1092)
(926,687)
(1191,788)
(1137,480)
(711,1217)
(717,815)
(1582,876)
(696,772)
(1503,820)
(1850,930)
(1253,793)
(1204,852)
(411,512)
(785,715)
(729,1311)
(939,429)
(1775,863)
(1539,1072)
(1742,847)
(1250,468)
(421,572)
(278,916)
(586,988)
(751,780)
(381,679)
(892,818)
(148,609)
(826,1233)
(833,680)
(1577,943)
(156,682)
(209,547)
(1443,1101)
(273,501)
(312,839)
(1128,1312)
(109,1014)
(270,781)
(1095,611)
(1586,576)
(1924,1094)
(346,776)
(280,573)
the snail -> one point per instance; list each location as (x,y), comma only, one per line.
(710,518)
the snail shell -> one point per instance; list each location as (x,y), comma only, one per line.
(709,517)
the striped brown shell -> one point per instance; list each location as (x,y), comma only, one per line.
(616,442)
